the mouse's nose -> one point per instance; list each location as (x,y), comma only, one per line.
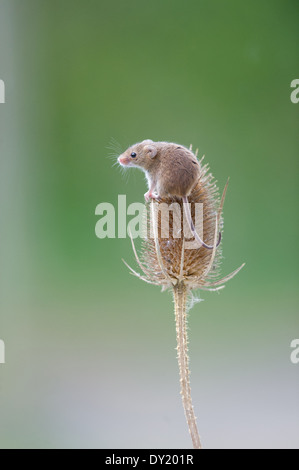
(123,160)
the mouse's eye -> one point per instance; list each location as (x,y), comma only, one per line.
(133,154)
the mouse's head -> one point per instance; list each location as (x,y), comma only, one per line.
(141,155)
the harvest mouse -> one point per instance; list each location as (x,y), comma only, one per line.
(170,169)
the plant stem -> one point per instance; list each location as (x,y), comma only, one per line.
(180,300)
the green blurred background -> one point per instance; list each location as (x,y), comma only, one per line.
(90,350)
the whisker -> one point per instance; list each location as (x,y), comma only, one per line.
(114,145)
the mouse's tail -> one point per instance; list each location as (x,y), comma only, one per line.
(192,228)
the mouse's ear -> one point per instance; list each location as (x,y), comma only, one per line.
(151,150)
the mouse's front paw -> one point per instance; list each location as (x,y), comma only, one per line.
(150,195)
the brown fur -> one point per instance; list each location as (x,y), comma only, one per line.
(171,169)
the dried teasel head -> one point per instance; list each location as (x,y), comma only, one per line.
(168,260)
